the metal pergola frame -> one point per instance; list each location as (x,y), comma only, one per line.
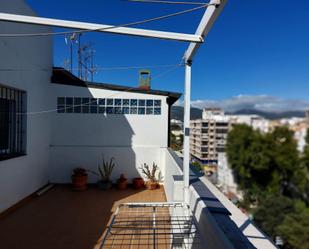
(151,225)
(213,9)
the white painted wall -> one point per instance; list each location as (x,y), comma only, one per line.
(32,59)
(80,139)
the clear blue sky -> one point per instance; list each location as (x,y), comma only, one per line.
(256,47)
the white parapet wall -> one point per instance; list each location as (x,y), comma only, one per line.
(243,222)
(221,224)
(173,178)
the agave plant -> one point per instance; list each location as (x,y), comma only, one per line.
(106,169)
(150,174)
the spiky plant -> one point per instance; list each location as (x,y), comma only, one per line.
(150,174)
(106,169)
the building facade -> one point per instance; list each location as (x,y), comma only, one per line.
(94,119)
(52,122)
(208,136)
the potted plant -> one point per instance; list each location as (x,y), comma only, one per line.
(152,180)
(79,179)
(122,182)
(105,171)
(138,182)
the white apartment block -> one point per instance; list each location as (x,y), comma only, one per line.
(208,136)
(255,121)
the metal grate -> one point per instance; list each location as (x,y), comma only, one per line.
(151,225)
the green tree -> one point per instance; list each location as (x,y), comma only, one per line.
(271,212)
(274,177)
(285,161)
(295,229)
(248,155)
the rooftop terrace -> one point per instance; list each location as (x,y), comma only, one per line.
(62,218)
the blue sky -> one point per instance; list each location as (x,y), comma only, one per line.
(255,48)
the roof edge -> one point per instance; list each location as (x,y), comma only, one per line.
(63,77)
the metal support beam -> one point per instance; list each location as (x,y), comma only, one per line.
(186,125)
(212,12)
(101,28)
(209,17)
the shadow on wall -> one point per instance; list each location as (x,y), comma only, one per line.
(84,133)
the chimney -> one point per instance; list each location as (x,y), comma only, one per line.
(144,80)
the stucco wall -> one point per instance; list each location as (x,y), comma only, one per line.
(80,139)
(28,61)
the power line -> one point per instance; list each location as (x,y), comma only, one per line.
(107,28)
(97,68)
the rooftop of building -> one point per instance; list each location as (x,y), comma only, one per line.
(64,77)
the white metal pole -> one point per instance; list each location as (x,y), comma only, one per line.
(186,125)
(101,28)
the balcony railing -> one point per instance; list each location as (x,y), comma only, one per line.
(220,222)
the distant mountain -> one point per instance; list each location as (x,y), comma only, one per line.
(270,115)
(177,113)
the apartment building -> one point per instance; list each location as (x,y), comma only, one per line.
(208,136)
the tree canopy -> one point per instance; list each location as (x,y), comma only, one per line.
(273,175)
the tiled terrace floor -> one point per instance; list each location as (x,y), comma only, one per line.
(63,219)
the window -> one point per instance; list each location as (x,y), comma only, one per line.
(85,105)
(157,111)
(157,103)
(149,102)
(133,110)
(77,105)
(109,110)
(61,105)
(101,105)
(133,102)
(110,101)
(118,110)
(101,101)
(126,102)
(69,105)
(118,102)
(141,110)
(149,110)
(126,110)
(109,106)
(141,102)
(12,123)
(93,106)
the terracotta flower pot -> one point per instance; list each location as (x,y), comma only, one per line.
(79,182)
(150,185)
(138,183)
(122,184)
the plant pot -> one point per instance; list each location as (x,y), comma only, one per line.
(79,182)
(138,183)
(151,185)
(104,185)
(122,184)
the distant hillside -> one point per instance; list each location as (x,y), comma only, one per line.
(271,115)
(177,113)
